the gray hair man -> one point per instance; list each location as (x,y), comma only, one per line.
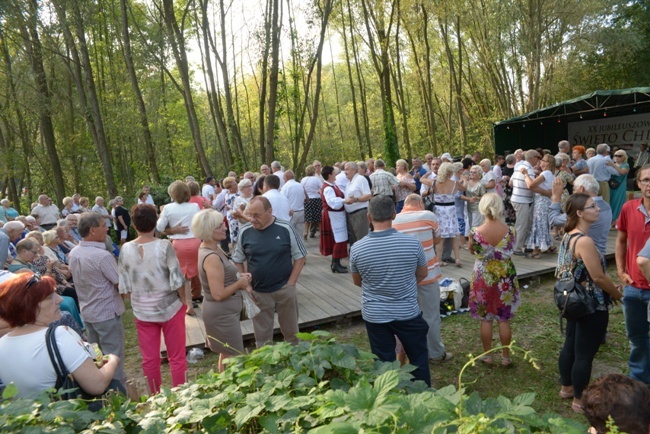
(383,182)
(422,224)
(522,199)
(357,194)
(276,168)
(601,168)
(587,184)
(10,233)
(96,279)
(274,255)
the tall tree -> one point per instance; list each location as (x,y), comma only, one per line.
(84,80)
(176,36)
(35,52)
(142,110)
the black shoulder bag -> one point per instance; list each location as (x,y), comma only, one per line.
(574,300)
(64,381)
(429,201)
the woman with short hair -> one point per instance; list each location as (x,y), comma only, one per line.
(406,184)
(29,303)
(67,206)
(617,195)
(196,196)
(230,184)
(221,284)
(155,302)
(313,205)
(240,211)
(445,190)
(579,256)
(175,220)
(539,238)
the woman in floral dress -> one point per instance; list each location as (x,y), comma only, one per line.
(494,294)
(539,238)
(230,184)
(444,196)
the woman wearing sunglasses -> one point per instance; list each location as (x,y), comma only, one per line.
(29,304)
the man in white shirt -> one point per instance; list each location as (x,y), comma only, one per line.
(357,194)
(48,212)
(295,194)
(341,179)
(149,200)
(75,202)
(522,199)
(208,188)
(99,207)
(279,203)
(276,168)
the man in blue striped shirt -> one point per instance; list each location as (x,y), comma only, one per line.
(388,265)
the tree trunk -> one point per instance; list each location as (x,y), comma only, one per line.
(35,52)
(177,41)
(144,121)
(276,27)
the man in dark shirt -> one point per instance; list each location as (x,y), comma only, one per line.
(274,254)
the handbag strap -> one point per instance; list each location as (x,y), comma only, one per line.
(55,357)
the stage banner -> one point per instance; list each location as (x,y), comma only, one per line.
(625,132)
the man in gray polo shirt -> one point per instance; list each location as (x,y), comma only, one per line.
(274,254)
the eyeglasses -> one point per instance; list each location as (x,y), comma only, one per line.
(34,251)
(644,181)
(592,206)
(35,279)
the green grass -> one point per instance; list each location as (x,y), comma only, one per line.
(534,328)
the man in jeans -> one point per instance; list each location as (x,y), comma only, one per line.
(633,232)
(388,265)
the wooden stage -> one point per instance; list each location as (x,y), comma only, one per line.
(325,297)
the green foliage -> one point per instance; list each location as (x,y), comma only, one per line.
(318,386)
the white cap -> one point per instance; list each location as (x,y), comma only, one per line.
(446,156)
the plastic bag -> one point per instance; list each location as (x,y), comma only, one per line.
(250,308)
(194,355)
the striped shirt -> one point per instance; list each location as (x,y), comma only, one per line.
(423,225)
(95,276)
(520,191)
(387,261)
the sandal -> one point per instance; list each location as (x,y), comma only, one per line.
(487,360)
(506,362)
(458,263)
(566,395)
(578,408)
(534,256)
(551,249)
(443,263)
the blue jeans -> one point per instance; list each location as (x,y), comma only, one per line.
(413,335)
(635,303)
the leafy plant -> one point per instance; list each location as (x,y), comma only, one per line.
(318,386)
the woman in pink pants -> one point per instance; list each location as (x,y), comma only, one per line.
(150,272)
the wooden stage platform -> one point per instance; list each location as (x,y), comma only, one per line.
(325,297)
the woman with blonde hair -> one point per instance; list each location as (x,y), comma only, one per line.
(221,284)
(240,211)
(494,294)
(174,221)
(67,206)
(406,184)
(474,191)
(445,190)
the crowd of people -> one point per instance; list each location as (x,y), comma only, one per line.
(246,233)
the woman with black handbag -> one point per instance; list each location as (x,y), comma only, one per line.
(579,256)
(29,304)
